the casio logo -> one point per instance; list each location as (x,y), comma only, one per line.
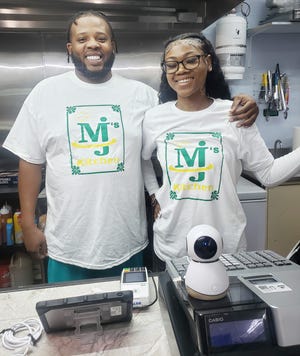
(215,320)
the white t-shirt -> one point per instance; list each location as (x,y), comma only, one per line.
(90,136)
(202,155)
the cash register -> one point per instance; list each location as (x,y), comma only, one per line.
(260,314)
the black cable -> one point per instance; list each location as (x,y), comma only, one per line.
(156,295)
(245,12)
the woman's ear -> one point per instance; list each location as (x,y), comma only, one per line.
(208,62)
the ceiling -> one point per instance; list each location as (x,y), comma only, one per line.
(126,16)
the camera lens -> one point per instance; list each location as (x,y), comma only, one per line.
(205,247)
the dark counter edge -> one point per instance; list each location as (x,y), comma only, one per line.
(65,284)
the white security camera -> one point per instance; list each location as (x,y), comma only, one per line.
(204,243)
(206,277)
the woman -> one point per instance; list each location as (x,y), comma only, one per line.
(201,152)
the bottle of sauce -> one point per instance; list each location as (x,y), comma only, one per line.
(17,228)
(9,232)
(5,214)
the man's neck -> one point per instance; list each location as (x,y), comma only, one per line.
(96,80)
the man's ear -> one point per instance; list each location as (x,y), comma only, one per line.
(114,46)
(69,48)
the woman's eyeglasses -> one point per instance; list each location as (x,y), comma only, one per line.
(191,62)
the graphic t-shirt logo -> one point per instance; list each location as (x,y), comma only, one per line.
(194,163)
(96,139)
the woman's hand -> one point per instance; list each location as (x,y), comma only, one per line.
(244,110)
(155,207)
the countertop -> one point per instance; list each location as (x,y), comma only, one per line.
(247,190)
(149,332)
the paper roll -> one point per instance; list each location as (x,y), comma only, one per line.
(296,137)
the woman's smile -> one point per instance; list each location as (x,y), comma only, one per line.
(184,80)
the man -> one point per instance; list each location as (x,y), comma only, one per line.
(86,126)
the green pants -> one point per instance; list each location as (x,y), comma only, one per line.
(63,272)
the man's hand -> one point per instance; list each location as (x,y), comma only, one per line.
(244,110)
(35,242)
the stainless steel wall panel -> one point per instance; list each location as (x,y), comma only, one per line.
(21,67)
(55,54)
(139,57)
(143,67)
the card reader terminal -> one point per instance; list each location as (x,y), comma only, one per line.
(136,280)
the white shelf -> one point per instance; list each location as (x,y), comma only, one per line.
(275,27)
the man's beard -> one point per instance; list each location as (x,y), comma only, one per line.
(97,75)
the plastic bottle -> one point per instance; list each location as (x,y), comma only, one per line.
(9,232)
(5,214)
(17,228)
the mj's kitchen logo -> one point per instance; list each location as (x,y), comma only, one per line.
(194,163)
(96,139)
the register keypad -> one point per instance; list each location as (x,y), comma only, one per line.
(252,260)
(239,261)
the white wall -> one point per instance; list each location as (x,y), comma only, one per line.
(264,51)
